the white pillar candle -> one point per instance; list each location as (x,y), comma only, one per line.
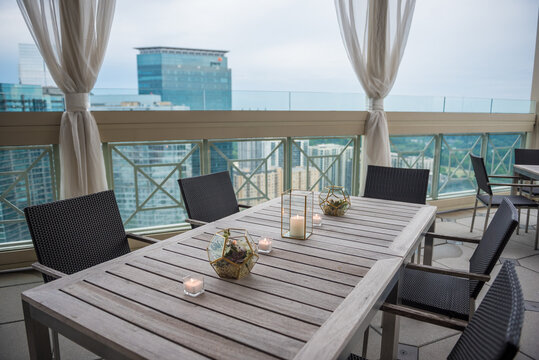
(297,226)
(317,219)
(193,285)
(264,245)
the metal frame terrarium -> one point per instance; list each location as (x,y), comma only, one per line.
(232,253)
(334,200)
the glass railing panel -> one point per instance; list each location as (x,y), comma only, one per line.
(456,173)
(500,156)
(414,152)
(314,101)
(261,100)
(27,177)
(145,180)
(33,98)
(471,105)
(414,103)
(256,167)
(513,106)
(319,162)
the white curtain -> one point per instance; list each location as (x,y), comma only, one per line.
(374,33)
(72,36)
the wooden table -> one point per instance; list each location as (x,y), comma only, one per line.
(307,299)
(529,171)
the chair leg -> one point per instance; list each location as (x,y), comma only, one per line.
(55,346)
(473,216)
(518,226)
(528,220)
(365,342)
(537,230)
(472,308)
(486,217)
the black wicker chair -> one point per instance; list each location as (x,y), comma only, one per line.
(397,184)
(491,200)
(425,290)
(75,234)
(528,157)
(494,330)
(209,198)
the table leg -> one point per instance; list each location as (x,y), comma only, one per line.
(390,329)
(515,181)
(429,246)
(37,334)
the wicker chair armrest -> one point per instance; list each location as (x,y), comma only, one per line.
(451,272)
(424,316)
(48,271)
(145,239)
(195,222)
(244,206)
(454,238)
(504,176)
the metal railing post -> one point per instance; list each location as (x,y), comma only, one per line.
(57,169)
(287,163)
(205,157)
(107,156)
(484,145)
(436,166)
(356,165)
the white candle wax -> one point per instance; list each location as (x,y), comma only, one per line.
(193,286)
(317,219)
(297,226)
(264,245)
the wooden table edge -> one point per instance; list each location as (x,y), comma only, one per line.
(335,334)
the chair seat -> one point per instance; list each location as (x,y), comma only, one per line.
(355,357)
(534,191)
(438,293)
(517,200)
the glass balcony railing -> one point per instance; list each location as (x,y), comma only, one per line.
(144,174)
(131,100)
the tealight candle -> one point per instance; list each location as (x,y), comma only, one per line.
(297,226)
(193,285)
(317,220)
(264,246)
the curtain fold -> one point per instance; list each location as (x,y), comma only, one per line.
(374,33)
(72,37)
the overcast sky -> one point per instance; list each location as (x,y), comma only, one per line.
(471,48)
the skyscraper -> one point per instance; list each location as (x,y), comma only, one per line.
(32,68)
(197,78)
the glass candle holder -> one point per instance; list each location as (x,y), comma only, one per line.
(193,285)
(297,214)
(264,245)
(317,220)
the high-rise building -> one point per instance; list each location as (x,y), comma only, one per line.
(197,78)
(32,68)
(18,97)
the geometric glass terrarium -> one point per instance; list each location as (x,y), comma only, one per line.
(232,253)
(334,201)
(297,214)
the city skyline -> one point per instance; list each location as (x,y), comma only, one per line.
(297,47)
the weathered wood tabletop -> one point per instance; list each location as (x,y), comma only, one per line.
(307,299)
(530,171)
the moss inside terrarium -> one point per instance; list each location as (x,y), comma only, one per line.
(335,207)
